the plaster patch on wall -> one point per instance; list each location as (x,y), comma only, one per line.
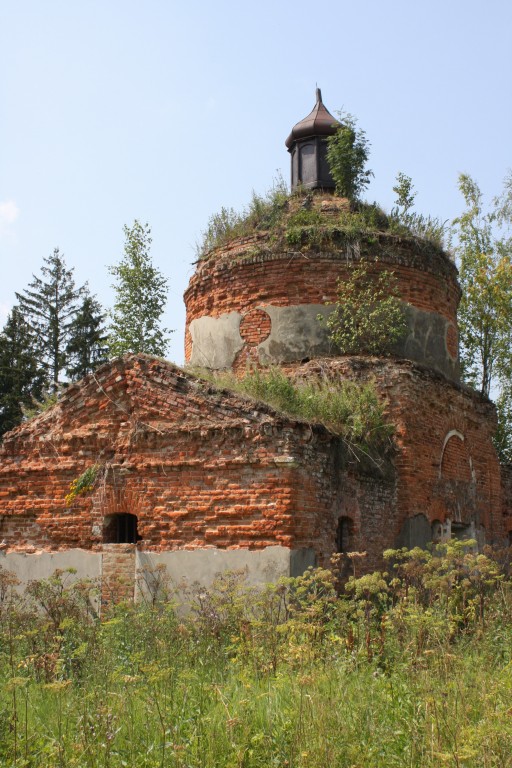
(200,566)
(296,334)
(215,340)
(426,341)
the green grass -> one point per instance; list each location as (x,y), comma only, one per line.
(295,221)
(403,669)
(348,409)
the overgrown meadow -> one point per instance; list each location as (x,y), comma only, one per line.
(408,667)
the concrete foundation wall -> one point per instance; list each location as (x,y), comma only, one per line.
(28,567)
(41,565)
(200,566)
(182,568)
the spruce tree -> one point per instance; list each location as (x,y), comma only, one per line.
(141,295)
(49,306)
(21,379)
(87,345)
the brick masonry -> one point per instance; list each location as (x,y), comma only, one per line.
(202,468)
(198,467)
(446,466)
(248,273)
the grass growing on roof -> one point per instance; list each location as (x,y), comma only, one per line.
(296,221)
(348,409)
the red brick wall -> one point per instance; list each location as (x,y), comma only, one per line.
(118,573)
(235,278)
(198,468)
(201,467)
(506,487)
(459,479)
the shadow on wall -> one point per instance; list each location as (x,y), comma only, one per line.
(417,531)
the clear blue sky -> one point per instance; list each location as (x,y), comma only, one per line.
(163,111)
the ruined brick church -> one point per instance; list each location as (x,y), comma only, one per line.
(200,479)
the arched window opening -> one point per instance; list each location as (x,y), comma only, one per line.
(438,533)
(121,529)
(344,535)
(462,531)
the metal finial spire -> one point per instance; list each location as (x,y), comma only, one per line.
(318,95)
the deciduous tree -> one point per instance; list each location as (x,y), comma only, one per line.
(483,248)
(141,295)
(485,273)
(347,154)
(368,316)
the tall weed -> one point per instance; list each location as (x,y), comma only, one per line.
(348,409)
(292,674)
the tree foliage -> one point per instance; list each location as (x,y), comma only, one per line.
(347,154)
(503,436)
(485,273)
(483,247)
(141,295)
(368,316)
(405,193)
(404,221)
(21,379)
(48,307)
(87,347)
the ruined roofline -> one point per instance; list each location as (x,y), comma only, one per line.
(370,364)
(163,373)
(325,238)
(155,370)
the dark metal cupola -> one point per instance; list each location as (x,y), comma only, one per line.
(308,148)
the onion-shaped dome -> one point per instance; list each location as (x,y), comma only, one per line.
(308,148)
(319,122)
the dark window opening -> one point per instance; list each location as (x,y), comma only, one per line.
(437,531)
(461,531)
(344,535)
(121,529)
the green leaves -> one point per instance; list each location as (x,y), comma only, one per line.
(348,409)
(21,379)
(262,213)
(347,154)
(405,192)
(141,295)
(368,316)
(485,271)
(404,221)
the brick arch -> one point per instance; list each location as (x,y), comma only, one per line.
(456,462)
(109,502)
(455,492)
(115,501)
